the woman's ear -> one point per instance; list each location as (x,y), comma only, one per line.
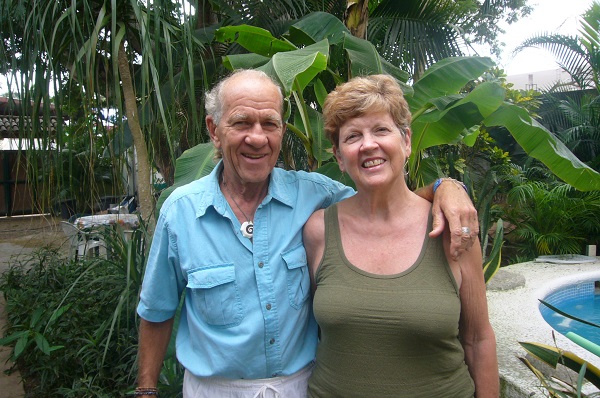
(407,141)
(338,157)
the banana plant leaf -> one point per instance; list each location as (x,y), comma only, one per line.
(365,60)
(332,170)
(315,27)
(257,40)
(296,69)
(450,119)
(446,77)
(442,116)
(553,356)
(541,144)
(321,147)
(193,164)
(244,61)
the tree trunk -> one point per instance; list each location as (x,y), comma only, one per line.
(144,190)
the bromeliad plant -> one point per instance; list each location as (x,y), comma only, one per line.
(553,356)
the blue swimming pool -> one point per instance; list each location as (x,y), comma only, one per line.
(581,300)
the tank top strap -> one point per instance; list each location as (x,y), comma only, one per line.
(332,230)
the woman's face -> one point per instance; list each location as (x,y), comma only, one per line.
(373,150)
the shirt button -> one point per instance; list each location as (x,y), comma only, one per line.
(272,341)
(261,264)
(268,306)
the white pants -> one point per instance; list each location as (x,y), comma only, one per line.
(293,386)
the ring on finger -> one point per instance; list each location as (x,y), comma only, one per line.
(465,231)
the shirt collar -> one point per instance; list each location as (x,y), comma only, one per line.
(213,196)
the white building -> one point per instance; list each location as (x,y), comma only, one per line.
(540,80)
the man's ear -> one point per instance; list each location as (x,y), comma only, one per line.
(212,131)
(336,153)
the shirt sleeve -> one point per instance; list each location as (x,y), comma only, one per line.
(163,282)
(338,191)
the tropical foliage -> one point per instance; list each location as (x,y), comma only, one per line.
(68,342)
(442,112)
(150,62)
(551,218)
(574,117)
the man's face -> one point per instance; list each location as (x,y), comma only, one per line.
(250,131)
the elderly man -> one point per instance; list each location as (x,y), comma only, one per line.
(232,241)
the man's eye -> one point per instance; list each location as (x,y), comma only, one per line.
(270,126)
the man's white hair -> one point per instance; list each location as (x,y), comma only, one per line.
(213,100)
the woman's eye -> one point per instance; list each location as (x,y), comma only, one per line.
(351,137)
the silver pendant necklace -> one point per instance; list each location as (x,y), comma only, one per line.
(247,227)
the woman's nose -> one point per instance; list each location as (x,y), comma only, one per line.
(369,142)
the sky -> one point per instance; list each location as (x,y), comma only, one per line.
(548,16)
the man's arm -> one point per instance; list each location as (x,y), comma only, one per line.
(451,202)
(153,342)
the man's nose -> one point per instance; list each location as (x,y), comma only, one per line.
(256,136)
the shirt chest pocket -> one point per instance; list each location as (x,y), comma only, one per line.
(298,280)
(215,295)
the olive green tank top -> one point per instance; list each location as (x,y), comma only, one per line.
(387,335)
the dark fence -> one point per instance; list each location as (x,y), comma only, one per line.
(16,194)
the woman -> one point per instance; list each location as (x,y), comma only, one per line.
(398,316)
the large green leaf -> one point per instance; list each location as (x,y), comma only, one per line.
(315,27)
(541,144)
(493,264)
(332,170)
(365,60)
(451,117)
(298,67)
(193,164)
(447,77)
(254,39)
(320,145)
(362,56)
(244,61)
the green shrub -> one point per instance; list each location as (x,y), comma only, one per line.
(73,325)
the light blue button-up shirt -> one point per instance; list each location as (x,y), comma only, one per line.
(247,312)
